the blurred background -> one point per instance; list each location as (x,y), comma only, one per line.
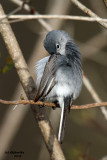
(86,130)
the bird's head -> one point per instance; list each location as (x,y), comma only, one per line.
(55,42)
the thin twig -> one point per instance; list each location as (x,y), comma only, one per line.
(39,103)
(94,94)
(13,12)
(65,17)
(27,8)
(88,11)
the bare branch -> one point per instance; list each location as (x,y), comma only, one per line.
(88,11)
(27,102)
(29,87)
(94,94)
(64,17)
(39,103)
(13,12)
(27,8)
(105,1)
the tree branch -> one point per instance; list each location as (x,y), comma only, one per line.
(64,17)
(94,94)
(39,103)
(88,11)
(27,8)
(29,88)
(105,2)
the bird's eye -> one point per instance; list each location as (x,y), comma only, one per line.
(57,46)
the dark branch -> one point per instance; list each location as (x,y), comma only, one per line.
(85,106)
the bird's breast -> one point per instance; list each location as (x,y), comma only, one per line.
(68,82)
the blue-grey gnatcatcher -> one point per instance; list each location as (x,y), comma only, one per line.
(59,76)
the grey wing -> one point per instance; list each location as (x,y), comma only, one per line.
(48,78)
(40,66)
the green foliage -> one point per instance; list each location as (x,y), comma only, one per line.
(21,97)
(76,152)
(8,66)
(80,152)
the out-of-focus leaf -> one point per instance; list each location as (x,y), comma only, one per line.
(9,60)
(82,117)
(21,97)
(80,152)
(8,66)
(75,152)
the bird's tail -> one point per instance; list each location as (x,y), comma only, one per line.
(61,132)
(65,110)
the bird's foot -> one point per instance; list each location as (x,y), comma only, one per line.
(43,100)
(57,105)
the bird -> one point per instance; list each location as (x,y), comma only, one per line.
(59,75)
